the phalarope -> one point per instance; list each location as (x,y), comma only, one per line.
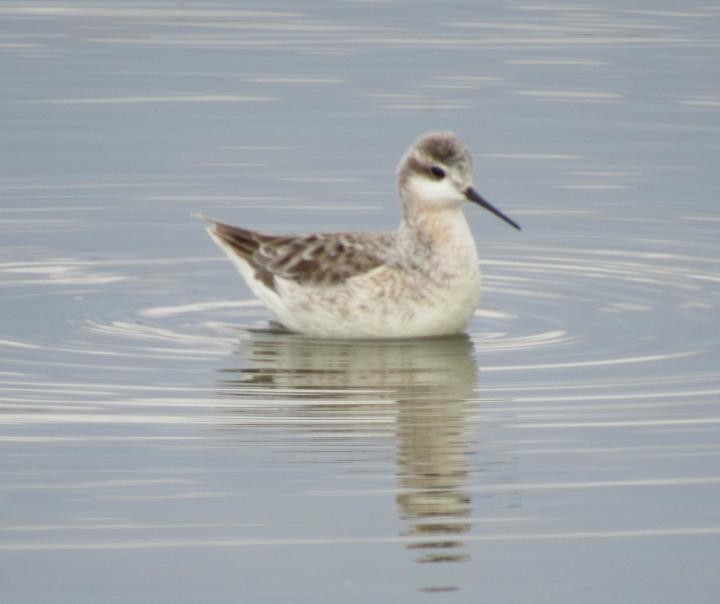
(421,280)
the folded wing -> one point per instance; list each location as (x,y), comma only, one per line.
(329,259)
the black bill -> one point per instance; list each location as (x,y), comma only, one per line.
(473,195)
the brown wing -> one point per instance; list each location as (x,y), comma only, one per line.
(312,259)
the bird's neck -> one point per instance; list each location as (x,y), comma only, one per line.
(438,235)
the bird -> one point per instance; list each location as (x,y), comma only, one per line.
(421,280)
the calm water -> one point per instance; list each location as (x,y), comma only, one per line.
(158,445)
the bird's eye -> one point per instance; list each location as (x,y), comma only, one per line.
(438,173)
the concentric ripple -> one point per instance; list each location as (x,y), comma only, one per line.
(543,308)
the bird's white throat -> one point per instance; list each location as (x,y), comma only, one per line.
(421,191)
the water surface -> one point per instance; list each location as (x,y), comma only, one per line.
(160,444)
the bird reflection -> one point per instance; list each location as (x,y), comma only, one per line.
(421,392)
(433,438)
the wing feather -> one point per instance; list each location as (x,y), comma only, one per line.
(329,259)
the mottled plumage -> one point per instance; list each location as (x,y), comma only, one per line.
(420,280)
(324,259)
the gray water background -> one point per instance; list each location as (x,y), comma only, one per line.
(159,446)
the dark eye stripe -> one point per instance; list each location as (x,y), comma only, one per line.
(438,173)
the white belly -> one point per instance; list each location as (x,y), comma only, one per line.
(370,308)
